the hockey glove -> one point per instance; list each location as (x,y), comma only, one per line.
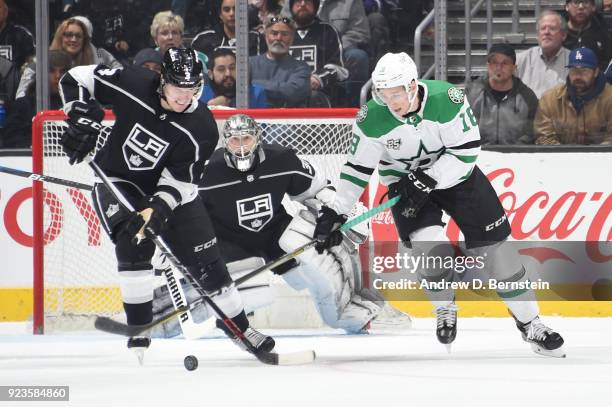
(80,138)
(413,189)
(149,222)
(327,230)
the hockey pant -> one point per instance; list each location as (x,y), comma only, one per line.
(501,262)
(332,278)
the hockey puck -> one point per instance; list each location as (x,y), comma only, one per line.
(190,362)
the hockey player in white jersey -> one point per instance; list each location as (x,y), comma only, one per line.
(423,137)
(243,186)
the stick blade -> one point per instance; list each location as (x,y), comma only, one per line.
(111,326)
(288,359)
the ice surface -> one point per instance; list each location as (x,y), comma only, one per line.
(489,366)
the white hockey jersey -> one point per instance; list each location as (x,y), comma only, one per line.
(442,138)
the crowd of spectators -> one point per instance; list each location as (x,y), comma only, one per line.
(318,53)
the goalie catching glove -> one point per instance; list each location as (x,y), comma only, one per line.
(413,189)
(327,231)
(149,222)
(80,138)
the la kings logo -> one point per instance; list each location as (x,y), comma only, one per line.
(143,149)
(255,212)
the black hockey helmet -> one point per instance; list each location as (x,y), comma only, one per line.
(182,68)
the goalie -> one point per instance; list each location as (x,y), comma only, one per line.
(242,188)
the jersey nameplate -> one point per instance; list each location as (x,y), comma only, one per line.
(255,212)
(142,149)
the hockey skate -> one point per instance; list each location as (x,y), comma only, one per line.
(139,344)
(446,327)
(261,342)
(543,340)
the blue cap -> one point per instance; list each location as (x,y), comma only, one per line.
(582,58)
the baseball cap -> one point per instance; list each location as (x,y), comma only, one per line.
(582,57)
(505,49)
(147,55)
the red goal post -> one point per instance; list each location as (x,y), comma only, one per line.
(74,266)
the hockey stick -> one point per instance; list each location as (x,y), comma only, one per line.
(265,357)
(46,178)
(112,326)
(346,226)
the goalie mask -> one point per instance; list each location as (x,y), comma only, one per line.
(241,140)
(393,70)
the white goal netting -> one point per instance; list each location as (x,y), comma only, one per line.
(77,263)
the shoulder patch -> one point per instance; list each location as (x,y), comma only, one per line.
(456,95)
(362,114)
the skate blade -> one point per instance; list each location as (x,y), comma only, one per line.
(449,348)
(139,354)
(555,353)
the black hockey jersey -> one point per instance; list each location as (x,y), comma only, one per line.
(318,45)
(246,203)
(16,44)
(210,40)
(156,149)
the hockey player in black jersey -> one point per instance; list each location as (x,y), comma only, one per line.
(155,156)
(242,189)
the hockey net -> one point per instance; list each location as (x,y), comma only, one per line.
(75,272)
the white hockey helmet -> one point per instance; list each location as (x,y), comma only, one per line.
(393,70)
(241,140)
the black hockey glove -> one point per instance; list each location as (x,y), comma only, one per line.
(80,138)
(149,222)
(327,231)
(413,189)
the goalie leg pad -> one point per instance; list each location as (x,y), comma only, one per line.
(215,280)
(328,276)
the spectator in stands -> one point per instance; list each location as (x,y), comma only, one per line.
(73,36)
(18,130)
(167,31)
(220,89)
(543,66)
(503,105)
(585,30)
(9,80)
(579,112)
(349,18)
(16,42)
(379,30)
(262,10)
(224,34)
(318,44)
(285,79)
(116,25)
(149,58)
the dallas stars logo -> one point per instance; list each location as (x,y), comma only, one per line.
(422,157)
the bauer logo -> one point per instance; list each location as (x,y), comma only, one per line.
(143,149)
(254,213)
